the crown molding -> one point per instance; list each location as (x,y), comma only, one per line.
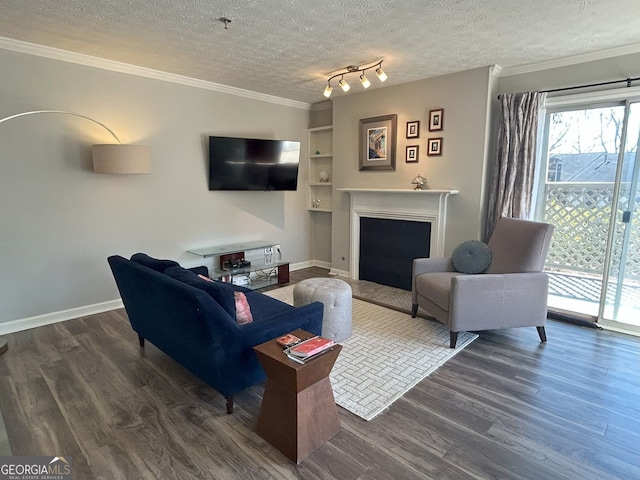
(120,67)
(571,60)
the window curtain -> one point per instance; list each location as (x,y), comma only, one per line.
(514,165)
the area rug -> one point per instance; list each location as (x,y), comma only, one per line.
(386,296)
(387,354)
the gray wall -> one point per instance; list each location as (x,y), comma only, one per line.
(59,221)
(463,165)
(321,114)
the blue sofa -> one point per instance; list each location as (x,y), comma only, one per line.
(175,310)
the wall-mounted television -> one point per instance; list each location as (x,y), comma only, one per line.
(253,164)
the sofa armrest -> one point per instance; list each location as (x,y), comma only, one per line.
(428,265)
(431,265)
(307,317)
(488,301)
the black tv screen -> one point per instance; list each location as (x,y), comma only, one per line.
(253,164)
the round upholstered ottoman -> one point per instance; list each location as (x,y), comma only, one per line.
(335,295)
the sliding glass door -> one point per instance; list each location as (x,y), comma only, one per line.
(588,189)
(620,301)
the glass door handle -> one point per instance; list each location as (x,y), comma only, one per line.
(626,216)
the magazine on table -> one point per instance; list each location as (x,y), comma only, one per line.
(309,349)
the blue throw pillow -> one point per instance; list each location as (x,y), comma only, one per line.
(153,263)
(471,256)
(222,293)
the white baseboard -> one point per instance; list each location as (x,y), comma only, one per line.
(55,317)
(318,263)
(340,273)
(300,265)
(308,264)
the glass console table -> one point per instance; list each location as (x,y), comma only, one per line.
(266,265)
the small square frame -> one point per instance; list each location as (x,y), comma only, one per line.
(413,129)
(436,120)
(412,153)
(434,147)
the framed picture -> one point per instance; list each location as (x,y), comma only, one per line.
(434,147)
(412,154)
(378,142)
(413,129)
(436,119)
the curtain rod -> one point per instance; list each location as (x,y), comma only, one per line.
(627,80)
(588,85)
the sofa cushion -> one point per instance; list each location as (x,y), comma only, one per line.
(243,310)
(153,263)
(219,291)
(472,256)
(436,287)
(266,306)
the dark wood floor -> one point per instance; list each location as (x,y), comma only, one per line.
(506,407)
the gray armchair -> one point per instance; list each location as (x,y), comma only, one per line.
(512,292)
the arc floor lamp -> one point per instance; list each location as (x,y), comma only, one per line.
(113,158)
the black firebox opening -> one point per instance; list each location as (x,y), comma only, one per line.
(388,247)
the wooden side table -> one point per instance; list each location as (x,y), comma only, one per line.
(298,412)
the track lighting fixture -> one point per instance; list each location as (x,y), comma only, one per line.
(355,69)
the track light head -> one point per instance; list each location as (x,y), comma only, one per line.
(344,85)
(365,81)
(380,73)
(327,91)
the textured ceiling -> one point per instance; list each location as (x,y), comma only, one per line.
(286,47)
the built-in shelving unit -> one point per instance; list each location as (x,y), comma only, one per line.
(319,196)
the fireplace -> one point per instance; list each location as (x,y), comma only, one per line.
(421,212)
(388,247)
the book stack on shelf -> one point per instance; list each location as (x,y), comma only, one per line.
(304,351)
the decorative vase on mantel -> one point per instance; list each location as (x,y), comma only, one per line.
(420,182)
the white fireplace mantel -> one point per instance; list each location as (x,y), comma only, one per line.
(406,191)
(398,204)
